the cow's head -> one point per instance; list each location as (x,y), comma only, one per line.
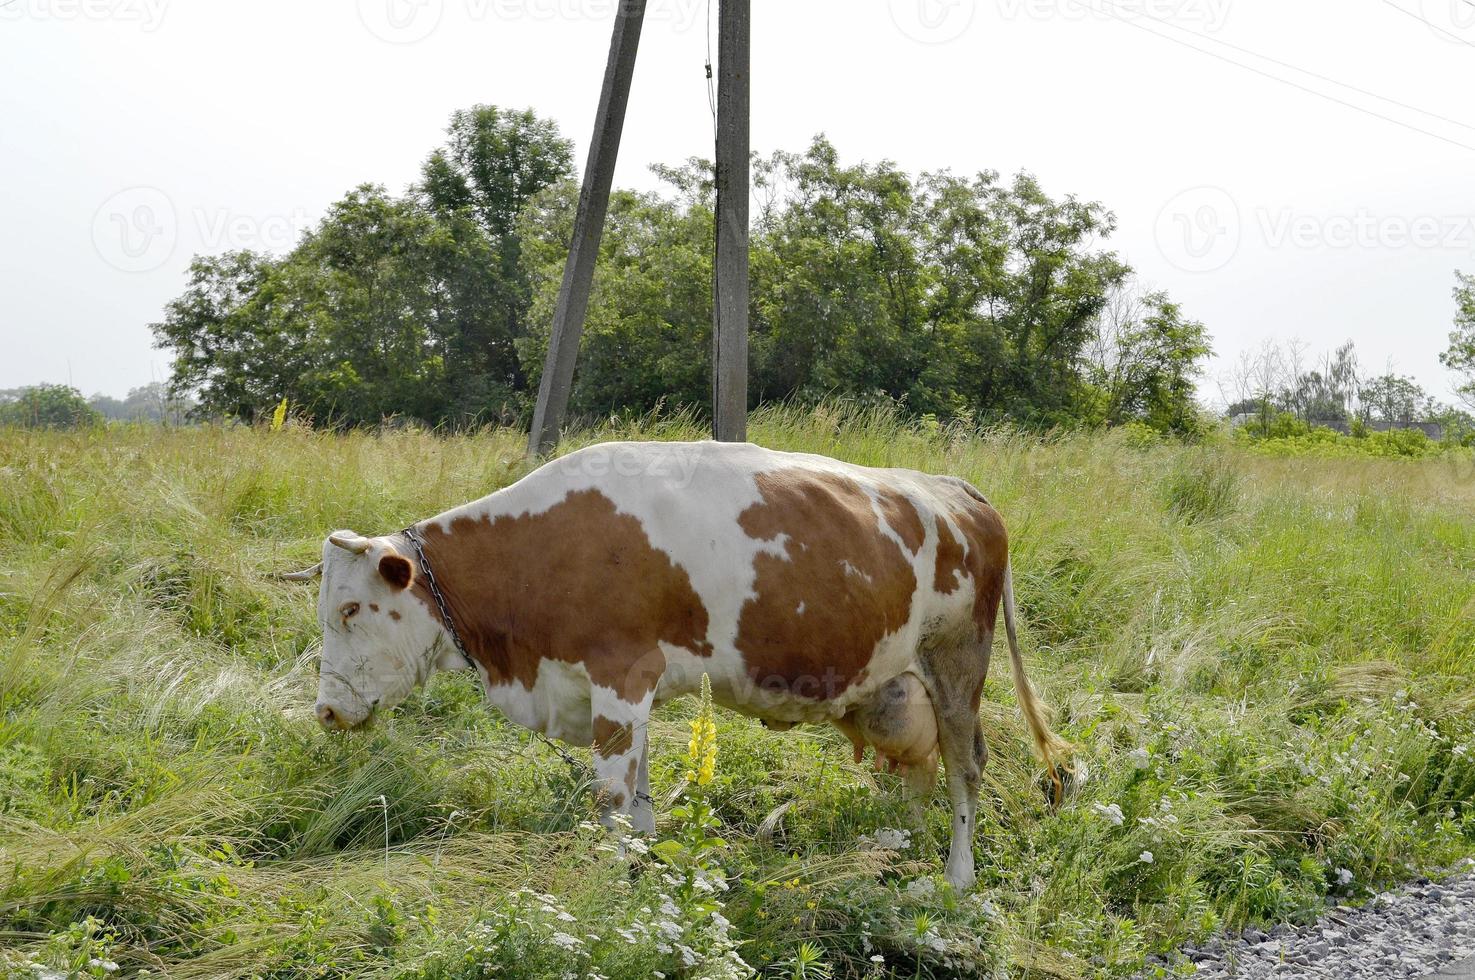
(379,638)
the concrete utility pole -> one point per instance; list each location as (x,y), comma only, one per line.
(730,308)
(578,273)
(730,292)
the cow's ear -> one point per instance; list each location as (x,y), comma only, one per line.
(396,570)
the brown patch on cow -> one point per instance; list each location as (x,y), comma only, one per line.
(394,615)
(612,738)
(948,574)
(853,583)
(396,570)
(578,583)
(902,517)
(984,560)
(373,607)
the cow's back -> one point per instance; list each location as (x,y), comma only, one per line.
(817,581)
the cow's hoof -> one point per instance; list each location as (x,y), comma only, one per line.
(961,879)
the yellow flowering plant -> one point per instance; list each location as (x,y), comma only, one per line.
(701,751)
(691,851)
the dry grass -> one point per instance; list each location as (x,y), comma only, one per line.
(1285,643)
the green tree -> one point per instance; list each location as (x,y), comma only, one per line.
(648,331)
(149,403)
(494,163)
(47,406)
(1143,362)
(951,296)
(838,283)
(392,306)
(1460,355)
(1395,399)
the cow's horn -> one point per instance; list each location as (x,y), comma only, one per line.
(350,542)
(306,575)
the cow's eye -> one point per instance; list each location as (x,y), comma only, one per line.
(349,609)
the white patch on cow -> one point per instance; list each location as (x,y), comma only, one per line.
(557,705)
(371,660)
(623,777)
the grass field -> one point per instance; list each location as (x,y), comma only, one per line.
(1266,663)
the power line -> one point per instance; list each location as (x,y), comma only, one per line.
(1111,8)
(1307,71)
(1424,20)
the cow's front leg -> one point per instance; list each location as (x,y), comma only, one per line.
(620,730)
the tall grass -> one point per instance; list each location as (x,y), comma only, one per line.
(1266,663)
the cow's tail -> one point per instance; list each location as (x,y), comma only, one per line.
(1053,750)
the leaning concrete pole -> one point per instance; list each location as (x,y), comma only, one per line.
(578,272)
(730,310)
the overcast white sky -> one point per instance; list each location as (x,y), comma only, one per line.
(134,133)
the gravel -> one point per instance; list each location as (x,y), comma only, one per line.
(1424,929)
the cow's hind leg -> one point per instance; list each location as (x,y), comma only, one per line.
(955,681)
(620,744)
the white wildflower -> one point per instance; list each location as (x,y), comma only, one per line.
(1344,877)
(1111,813)
(564,941)
(887,839)
(921,888)
(1139,758)
(1145,857)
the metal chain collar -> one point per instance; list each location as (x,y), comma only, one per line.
(413,536)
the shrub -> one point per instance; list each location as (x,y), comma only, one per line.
(49,407)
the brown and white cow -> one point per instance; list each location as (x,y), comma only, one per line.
(610,580)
